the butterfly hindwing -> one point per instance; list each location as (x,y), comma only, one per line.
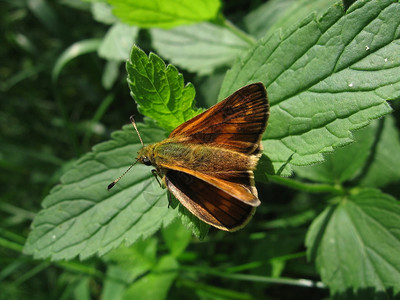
(209,203)
(239,185)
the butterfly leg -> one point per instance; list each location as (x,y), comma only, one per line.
(155,174)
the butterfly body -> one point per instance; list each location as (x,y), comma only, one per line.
(208,161)
(197,157)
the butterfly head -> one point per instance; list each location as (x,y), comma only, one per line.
(144,155)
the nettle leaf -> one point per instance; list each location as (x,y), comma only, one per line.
(159,90)
(356,243)
(373,160)
(199,48)
(325,77)
(344,163)
(383,166)
(165,14)
(80,217)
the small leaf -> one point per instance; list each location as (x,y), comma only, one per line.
(80,217)
(159,90)
(356,243)
(118,42)
(110,74)
(325,77)
(193,223)
(165,14)
(124,265)
(198,48)
(176,237)
(156,284)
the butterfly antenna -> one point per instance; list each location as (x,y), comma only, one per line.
(134,125)
(116,180)
(110,186)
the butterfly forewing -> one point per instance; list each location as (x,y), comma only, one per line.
(236,123)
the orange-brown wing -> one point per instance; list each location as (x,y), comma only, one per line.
(236,123)
(207,202)
(239,185)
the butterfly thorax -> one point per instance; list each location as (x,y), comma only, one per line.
(198,157)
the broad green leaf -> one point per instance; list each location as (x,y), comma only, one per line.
(165,14)
(176,237)
(159,90)
(198,48)
(384,163)
(325,77)
(356,243)
(345,162)
(275,14)
(373,160)
(118,42)
(80,217)
(156,284)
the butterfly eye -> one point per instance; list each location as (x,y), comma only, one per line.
(146,161)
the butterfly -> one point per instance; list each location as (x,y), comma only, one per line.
(207,162)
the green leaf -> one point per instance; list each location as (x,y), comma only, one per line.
(199,48)
(384,164)
(159,91)
(372,161)
(356,243)
(110,73)
(198,227)
(102,12)
(124,265)
(165,14)
(80,217)
(118,42)
(177,238)
(156,284)
(325,77)
(137,259)
(345,162)
(275,14)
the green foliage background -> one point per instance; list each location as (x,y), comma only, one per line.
(328,225)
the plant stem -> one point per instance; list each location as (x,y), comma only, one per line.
(257,278)
(307,187)
(244,36)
